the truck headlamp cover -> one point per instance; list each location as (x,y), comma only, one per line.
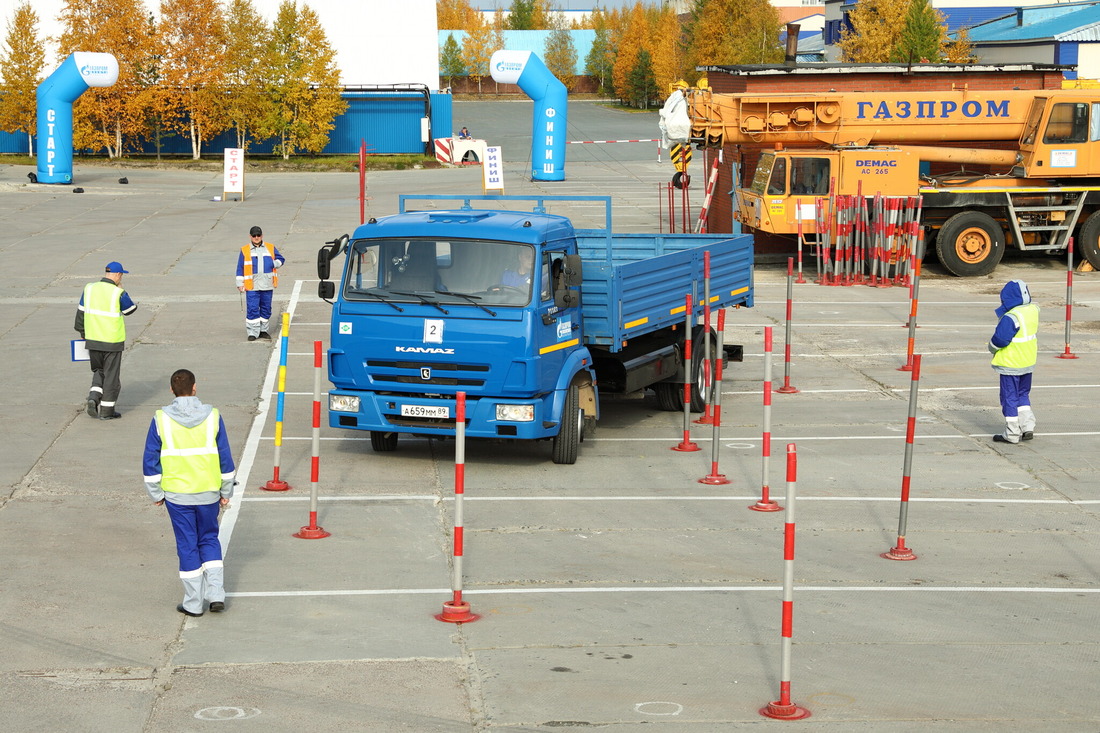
(516,413)
(343,403)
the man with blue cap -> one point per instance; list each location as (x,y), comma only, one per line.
(99,322)
(1015,349)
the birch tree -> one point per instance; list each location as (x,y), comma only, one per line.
(21,66)
(477,49)
(455,15)
(560,54)
(193,68)
(875,31)
(247,68)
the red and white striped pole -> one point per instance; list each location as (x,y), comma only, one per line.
(686,444)
(801,239)
(456,610)
(362,181)
(1067,354)
(766,504)
(715,478)
(787,388)
(915,285)
(706,419)
(312,531)
(783,708)
(900,551)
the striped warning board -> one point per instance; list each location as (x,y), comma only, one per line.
(443,150)
(681,156)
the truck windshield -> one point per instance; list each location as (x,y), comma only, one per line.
(470,272)
(763,173)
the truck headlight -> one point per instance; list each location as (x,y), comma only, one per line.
(516,413)
(343,403)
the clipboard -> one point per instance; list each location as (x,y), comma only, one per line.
(78,349)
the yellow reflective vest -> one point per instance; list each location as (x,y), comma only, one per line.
(103,313)
(1023,351)
(189,462)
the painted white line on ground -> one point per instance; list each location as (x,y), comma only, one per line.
(660,589)
(248,457)
(735,439)
(433,499)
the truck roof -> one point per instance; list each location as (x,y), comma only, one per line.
(511,226)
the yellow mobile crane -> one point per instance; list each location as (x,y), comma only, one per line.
(1034,195)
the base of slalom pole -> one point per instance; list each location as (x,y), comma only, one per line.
(705,420)
(787,389)
(686,447)
(907,367)
(765,506)
(456,613)
(311,533)
(274,485)
(714,479)
(784,712)
(901,552)
(1067,355)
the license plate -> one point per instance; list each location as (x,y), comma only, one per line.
(425,411)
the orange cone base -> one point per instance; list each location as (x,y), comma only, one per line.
(714,479)
(898,553)
(787,389)
(705,420)
(1067,355)
(457,613)
(784,712)
(686,447)
(766,506)
(311,533)
(274,485)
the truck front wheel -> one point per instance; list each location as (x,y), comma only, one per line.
(970,244)
(568,438)
(1088,244)
(383,442)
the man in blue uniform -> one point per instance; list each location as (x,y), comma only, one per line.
(257,278)
(99,322)
(188,467)
(1015,350)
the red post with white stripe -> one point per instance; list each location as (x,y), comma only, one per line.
(913,304)
(714,478)
(686,445)
(787,388)
(312,531)
(766,504)
(900,551)
(783,708)
(707,418)
(362,181)
(1067,354)
(456,610)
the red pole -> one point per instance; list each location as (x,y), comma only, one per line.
(901,552)
(913,303)
(456,610)
(706,419)
(686,444)
(798,208)
(714,477)
(766,504)
(783,708)
(362,181)
(787,388)
(312,531)
(1069,300)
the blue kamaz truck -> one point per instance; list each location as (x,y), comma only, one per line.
(529,317)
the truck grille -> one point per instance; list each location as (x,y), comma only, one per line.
(442,374)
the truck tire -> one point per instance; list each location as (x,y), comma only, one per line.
(569,434)
(383,442)
(670,396)
(1088,244)
(702,372)
(970,244)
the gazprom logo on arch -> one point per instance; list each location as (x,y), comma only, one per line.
(94,69)
(506,66)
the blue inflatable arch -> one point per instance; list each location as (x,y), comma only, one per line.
(54,98)
(551,114)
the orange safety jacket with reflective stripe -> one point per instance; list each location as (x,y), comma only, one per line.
(246,253)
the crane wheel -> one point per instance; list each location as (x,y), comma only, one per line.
(680,180)
(970,244)
(1088,243)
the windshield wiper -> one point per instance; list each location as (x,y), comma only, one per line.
(471,298)
(423,300)
(395,306)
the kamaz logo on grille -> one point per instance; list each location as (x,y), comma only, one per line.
(422,350)
(425,373)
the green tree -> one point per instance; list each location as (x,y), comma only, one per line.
(193,67)
(875,31)
(21,63)
(599,62)
(519,15)
(923,36)
(641,85)
(305,85)
(560,55)
(247,71)
(450,60)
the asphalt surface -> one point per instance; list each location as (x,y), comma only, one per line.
(616,594)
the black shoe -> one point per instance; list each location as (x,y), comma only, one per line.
(217,606)
(1002,439)
(1027,435)
(185,612)
(112,415)
(251,338)
(265,335)
(92,408)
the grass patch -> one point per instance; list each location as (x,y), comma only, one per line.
(254,163)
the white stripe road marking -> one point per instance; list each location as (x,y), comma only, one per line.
(729,439)
(431,498)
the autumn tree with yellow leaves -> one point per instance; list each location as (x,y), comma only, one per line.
(21,63)
(456,15)
(247,67)
(733,32)
(477,48)
(192,36)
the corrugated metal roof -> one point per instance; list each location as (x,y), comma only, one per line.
(534,41)
(1062,22)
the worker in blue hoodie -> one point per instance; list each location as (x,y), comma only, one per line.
(188,467)
(1015,349)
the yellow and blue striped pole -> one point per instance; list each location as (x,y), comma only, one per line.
(275,484)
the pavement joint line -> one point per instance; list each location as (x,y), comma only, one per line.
(661,589)
(252,443)
(433,499)
(735,439)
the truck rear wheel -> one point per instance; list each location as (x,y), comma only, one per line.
(383,442)
(568,438)
(702,371)
(670,396)
(1088,244)
(970,244)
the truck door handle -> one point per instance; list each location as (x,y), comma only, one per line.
(547,319)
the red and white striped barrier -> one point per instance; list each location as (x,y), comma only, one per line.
(766,504)
(714,478)
(900,551)
(686,445)
(456,610)
(444,150)
(312,531)
(787,388)
(588,142)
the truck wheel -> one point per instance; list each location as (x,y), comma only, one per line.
(702,372)
(569,434)
(383,442)
(1088,244)
(970,244)
(670,396)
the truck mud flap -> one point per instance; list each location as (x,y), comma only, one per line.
(733,352)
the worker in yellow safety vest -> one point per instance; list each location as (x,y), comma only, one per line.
(257,278)
(188,468)
(99,314)
(1015,349)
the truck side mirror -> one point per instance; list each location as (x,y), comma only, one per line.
(572,271)
(326,290)
(324,262)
